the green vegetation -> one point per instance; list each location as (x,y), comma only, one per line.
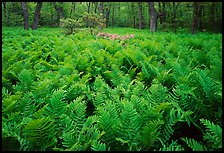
(156,91)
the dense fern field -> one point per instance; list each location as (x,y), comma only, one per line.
(156,91)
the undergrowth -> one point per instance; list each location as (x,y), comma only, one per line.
(82,92)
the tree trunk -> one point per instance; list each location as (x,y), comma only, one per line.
(140,15)
(101,14)
(133,13)
(212,17)
(164,10)
(88,7)
(153,16)
(96,6)
(195,17)
(174,15)
(113,15)
(160,10)
(200,13)
(36,15)
(4,7)
(108,13)
(25,15)
(60,11)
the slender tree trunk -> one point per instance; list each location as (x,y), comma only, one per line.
(212,17)
(133,13)
(195,17)
(153,16)
(160,10)
(164,10)
(108,13)
(96,6)
(88,7)
(200,13)
(25,15)
(174,15)
(60,11)
(140,15)
(101,11)
(4,7)
(36,16)
(113,12)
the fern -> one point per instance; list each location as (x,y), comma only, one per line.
(56,107)
(208,85)
(151,132)
(97,146)
(213,134)
(157,93)
(128,125)
(40,133)
(196,146)
(77,113)
(174,116)
(172,147)
(187,100)
(108,117)
(149,72)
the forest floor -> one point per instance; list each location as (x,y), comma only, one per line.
(123,89)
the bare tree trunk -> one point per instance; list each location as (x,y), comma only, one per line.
(195,17)
(4,7)
(25,15)
(133,13)
(160,10)
(153,16)
(59,10)
(96,6)
(113,12)
(140,15)
(174,14)
(36,15)
(108,13)
(101,13)
(200,13)
(212,16)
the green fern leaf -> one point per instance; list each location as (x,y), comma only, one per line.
(196,146)
(97,146)
(213,134)
(40,133)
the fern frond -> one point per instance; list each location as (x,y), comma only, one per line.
(77,112)
(196,146)
(129,123)
(26,79)
(174,116)
(208,84)
(213,133)
(151,132)
(41,133)
(57,105)
(172,147)
(97,146)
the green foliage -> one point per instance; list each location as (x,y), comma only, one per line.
(196,146)
(40,133)
(93,21)
(213,134)
(82,93)
(70,26)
